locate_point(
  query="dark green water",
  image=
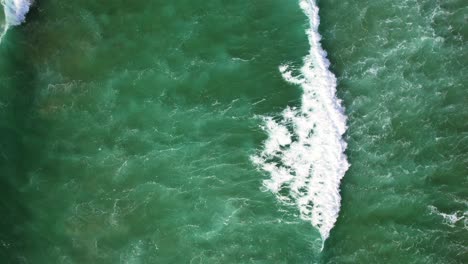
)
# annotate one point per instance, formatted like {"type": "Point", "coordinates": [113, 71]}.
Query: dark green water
{"type": "Point", "coordinates": [127, 131]}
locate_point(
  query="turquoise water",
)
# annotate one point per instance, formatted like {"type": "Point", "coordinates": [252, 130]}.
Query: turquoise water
{"type": "Point", "coordinates": [195, 132]}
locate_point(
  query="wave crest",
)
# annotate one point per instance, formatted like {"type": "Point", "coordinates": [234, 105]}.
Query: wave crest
{"type": "Point", "coordinates": [304, 151]}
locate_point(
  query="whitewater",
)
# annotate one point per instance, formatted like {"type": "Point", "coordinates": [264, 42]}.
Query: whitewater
{"type": "Point", "coordinates": [15, 13]}
{"type": "Point", "coordinates": [304, 151]}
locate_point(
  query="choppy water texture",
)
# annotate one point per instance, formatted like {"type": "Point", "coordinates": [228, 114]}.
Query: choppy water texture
{"type": "Point", "coordinates": [128, 131]}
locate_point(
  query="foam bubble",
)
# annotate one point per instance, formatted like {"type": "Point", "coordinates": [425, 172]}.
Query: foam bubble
{"type": "Point", "coordinates": [304, 151]}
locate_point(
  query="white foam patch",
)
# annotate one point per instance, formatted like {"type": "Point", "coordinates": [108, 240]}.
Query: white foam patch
{"type": "Point", "coordinates": [449, 219]}
{"type": "Point", "coordinates": [304, 152]}
{"type": "Point", "coordinates": [15, 13]}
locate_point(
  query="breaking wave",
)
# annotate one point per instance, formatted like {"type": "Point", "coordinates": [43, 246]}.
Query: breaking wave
{"type": "Point", "coordinates": [304, 151]}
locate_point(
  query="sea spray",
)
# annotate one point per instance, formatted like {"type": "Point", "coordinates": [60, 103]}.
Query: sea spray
{"type": "Point", "coordinates": [304, 151]}
{"type": "Point", "coordinates": [15, 13]}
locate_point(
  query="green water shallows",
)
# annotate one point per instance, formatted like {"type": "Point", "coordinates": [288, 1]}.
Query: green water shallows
{"type": "Point", "coordinates": [137, 123]}
{"type": "Point", "coordinates": [127, 129]}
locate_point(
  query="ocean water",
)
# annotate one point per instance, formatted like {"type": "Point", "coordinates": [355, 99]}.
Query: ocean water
{"type": "Point", "coordinates": [264, 131]}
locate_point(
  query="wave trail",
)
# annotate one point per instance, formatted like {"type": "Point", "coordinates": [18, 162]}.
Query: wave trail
{"type": "Point", "coordinates": [15, 13]}
{"type": "Point", "coordinates": [304, 151]}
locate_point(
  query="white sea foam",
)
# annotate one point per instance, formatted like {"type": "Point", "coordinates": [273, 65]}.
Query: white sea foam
{"type": "Point", "coordinates": [15, 13]}
{"type": "Point", "coordinates": [304, 152]}
{"type": "Point", "coordinates": [449, 219]}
